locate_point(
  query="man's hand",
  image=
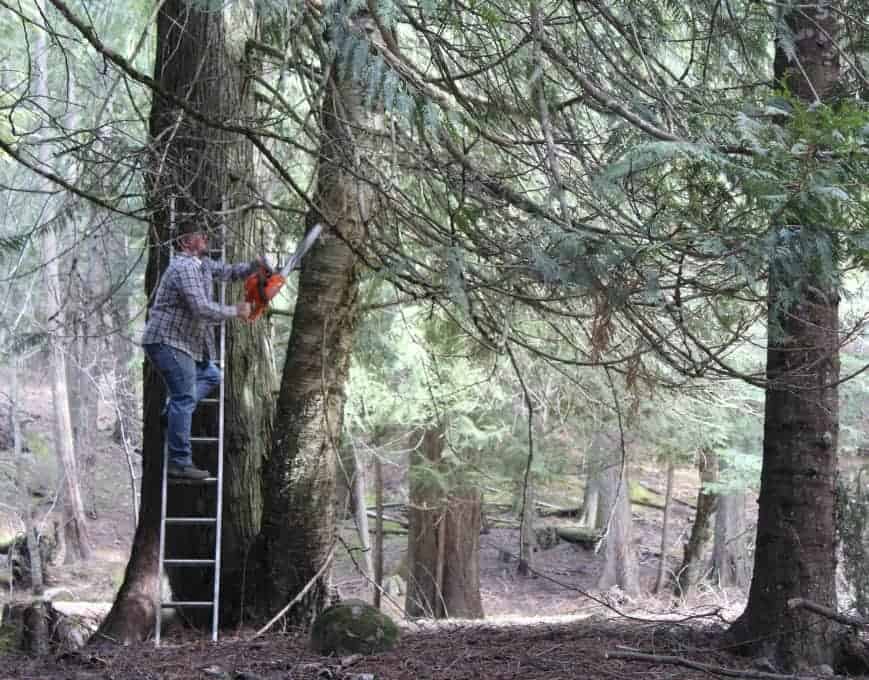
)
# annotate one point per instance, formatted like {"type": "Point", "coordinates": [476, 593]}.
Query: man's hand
{"type": "Point", "coordinates": [243, 310]}
{"type": "Point", "coordinates": [261, 262]}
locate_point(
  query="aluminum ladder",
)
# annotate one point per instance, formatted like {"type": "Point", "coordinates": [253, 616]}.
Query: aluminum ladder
{"type": "Point", "coordinates": [216, 520]}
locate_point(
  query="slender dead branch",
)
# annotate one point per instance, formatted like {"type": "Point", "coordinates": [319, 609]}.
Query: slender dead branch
{"type": "Point", "coordinates": [302, 593]}
{"type": "Point", "coordinates": [705, 667]}
{"type": "Point", "coordinates": [800, 603]}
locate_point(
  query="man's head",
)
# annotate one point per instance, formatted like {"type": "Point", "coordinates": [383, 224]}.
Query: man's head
{"type": "Point", "coordinates": [194, 243]}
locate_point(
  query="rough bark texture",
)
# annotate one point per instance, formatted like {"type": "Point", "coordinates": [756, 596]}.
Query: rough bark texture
{"type": "Point", "coordinates": [192, 170]}
{"type": "Point", "coordinates": [795, 546]}
{"type": "Point", "coordinates": [298, 527]}
{"type": "Point", "coordinates": [731, 565]}
{"type": "Point", "coordinates": [692, 568]}
{"type": "Point", "coordinates": [443, 540]}
{"type": "Point", "coordinates": [204, 62]}
{"type": "Point", "coordinates": [131, 618]}
{"type": "Point", "coordinates": [620, 568]}
{"type": "Point", "coordinates": [461, 580]}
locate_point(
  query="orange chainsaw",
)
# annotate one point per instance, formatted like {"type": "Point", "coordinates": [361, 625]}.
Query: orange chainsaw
{"type": "Point", "coordinates": [261, 286]}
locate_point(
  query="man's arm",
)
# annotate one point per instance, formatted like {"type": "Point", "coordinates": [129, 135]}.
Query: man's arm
{"type": "Point", "coordinates": [230, 272]}
{"type": "Point", "coordinates": [190, 287]}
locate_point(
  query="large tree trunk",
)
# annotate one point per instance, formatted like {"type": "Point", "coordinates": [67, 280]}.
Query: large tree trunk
{"type": "Point", "coordinates": [620, 568]}
{"type": "Point", "coordinates": [298, 528]}
{"type": "Point", "coordinates": [795, 546]}
{"type": "Point", "coordinates": [193, 168]}
{"type": "Point", "coordinates": [443, 538]}
{"type": "Point", "coordinates": [692, 568]}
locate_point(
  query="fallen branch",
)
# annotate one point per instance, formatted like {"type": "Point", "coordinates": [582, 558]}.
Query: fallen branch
{"type": "Point", "coordinates": [390, 518]}
{"type": "Point", "coordinates": [500, 520]}
{"type": "Point", "coordinates": [301, 594]}
{"type": "Point", "coordinates": [800, 603]}
{"type": "Point", "coordinates": [553, 511]}
{"type": "Point", "coordinates": [687, 504]}
{"type": "Point", "coordinates": [373, 508]}
{"type": "Point", "coordinates": [389, 532]}
{"type": "Point", "coordinates": [705, 667]}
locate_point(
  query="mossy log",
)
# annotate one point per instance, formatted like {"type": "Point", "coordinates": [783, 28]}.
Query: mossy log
{"type": "Point", "coordinates": [587, 537]}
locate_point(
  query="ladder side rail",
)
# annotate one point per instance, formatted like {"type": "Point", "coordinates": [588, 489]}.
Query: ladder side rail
{"type": "Point", "coordinates": [221, 404]}
{"type": "Point", "coordinates": [158, 624]}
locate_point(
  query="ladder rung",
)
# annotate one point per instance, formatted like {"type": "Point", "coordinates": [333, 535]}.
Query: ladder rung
{"type": "Point", "coordinates": [204, 440]}
{"type": "Point", "coordinates": [191, 520]}
{"type": "Point", "coordinates": [183, 481]}
{"type": "Point", "coordinates": [182, 603]}
{"type": "Point", "coordinates": [188, 563]}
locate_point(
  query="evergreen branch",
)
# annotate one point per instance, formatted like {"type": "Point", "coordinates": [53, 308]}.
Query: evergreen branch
{"type": "Point", "coordinates": [60, 181]}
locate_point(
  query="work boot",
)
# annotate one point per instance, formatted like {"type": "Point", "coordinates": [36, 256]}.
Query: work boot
{"type": "Point", "coordinates": [187, 472]}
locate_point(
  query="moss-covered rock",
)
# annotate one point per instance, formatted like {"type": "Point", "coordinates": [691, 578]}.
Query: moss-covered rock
{"type": "Point", "coordinates": [353, 627]}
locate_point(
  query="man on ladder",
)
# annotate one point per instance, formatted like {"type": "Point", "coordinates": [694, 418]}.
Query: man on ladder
{"type": "Point", "coordinates": [179, 340]}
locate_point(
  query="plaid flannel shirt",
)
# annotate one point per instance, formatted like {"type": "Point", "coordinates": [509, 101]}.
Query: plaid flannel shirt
{"type": "Point", "coordinates": [184, 313]}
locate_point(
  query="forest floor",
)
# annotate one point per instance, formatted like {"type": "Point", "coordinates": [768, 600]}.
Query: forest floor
{"type": "Point", "coordinates": [554, 625]}
{"type": "Point", "coordinates": [545, 650]}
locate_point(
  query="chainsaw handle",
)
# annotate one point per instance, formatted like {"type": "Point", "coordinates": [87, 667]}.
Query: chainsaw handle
{"type": "Point", "coordinates": [259, 288]}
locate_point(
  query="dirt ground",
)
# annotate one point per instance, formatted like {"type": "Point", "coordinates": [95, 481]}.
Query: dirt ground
{"type": "Point", "coordinates": [576, 650]}
{"type": "Point", "coordinates": [555, 625]}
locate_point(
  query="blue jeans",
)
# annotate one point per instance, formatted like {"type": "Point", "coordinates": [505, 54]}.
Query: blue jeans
{"type": "Point", "coordinates": [188, 382]}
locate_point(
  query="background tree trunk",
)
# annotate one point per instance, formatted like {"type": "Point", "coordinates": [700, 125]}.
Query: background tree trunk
{"type": "Point", "coordinates": [665, 530]}
{"type": "Point", "coordinates": [731, 564]}
{"type": "Point", "coordinates": [795, 552]}
{"type": "Point", "coordinates": [593, 515]}
{"type": "Point", "coordinates": [620, 568]}
{"type": "Point", "coordinates": [378, 537]}
{"type": "Point", "coordinates": [424, 513]}
{"type": "Point", "coordinates": [443, 538]}
{"type": "Point", "coordinates": [31, 541]}
{"type": "Point", "coordinates": [527, 537]}
{"type": "Point", "coordinates": [692, 568]}
{"type": "Point", "coordinates": [352, 479]}
{"type": "Point", "coordinates": [75, 522]}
